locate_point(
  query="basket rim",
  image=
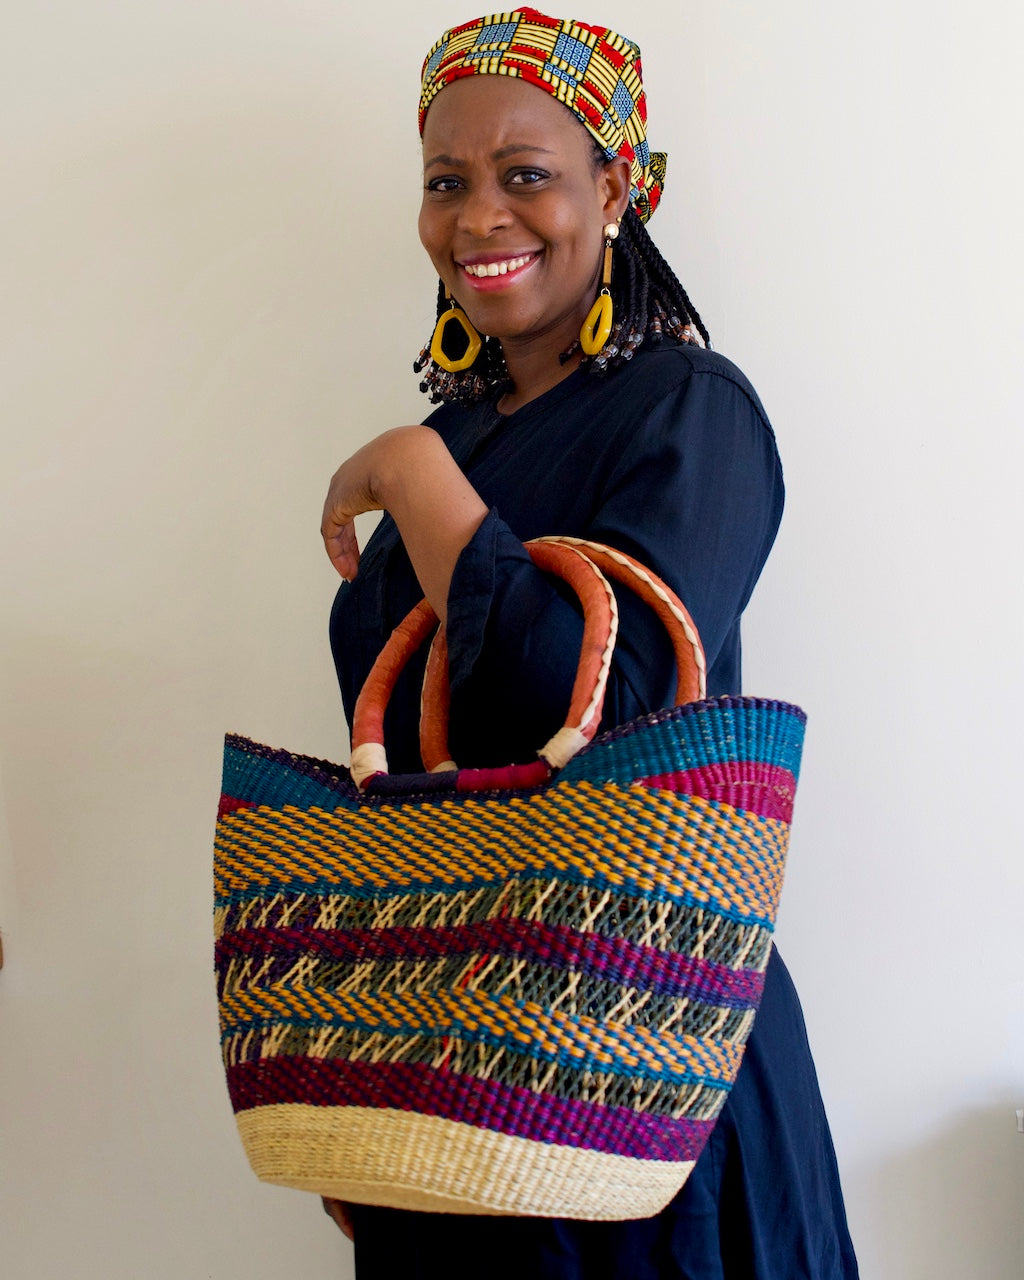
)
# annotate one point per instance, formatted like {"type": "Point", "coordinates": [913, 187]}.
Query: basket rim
{"type": "Point", "coordinates": [428, 786]}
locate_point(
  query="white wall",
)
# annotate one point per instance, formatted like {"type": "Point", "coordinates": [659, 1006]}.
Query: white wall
{"type": "Point", "coordinates": [212, 291]}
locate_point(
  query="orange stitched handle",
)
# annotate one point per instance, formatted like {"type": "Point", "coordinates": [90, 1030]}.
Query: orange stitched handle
{"type": "Point", "coordinates": [368, 716]}
{"type": "Point", "coordinates": [584, 713]}
{"type": "Point", "coordinates": [600, 621]}
{"type": "Point", "coordinates": [691, 666]}
{"type": "Point", "coordinates": [691, 684]}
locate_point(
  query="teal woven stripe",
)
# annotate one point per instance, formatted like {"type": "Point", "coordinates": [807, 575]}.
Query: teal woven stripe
{"type": "Point", "coordinates": [712, 733]}
{"type": "Point", "coordinates": [668, 927]}
{"type": "Point", "coordinates": [273, 780]}
{"type": "Point", "coordinates": [296, 1006]}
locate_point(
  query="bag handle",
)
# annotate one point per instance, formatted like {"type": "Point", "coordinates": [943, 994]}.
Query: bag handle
{"type": "Point", "coordinates": [691, 665]}
{"type": "Point", "coordinates": [691, 684]}
{"type": "Point", "coordinates": [600, 623]}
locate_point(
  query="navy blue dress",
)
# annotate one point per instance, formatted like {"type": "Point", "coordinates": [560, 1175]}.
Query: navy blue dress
{"type": "Point", "coordinates": [673, 461]}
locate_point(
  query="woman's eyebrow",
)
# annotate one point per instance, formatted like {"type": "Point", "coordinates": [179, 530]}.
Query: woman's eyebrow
{"type": "Point", "coordinates": [504, 152]}
{"type": "Point", "coordinates": [501, 154]}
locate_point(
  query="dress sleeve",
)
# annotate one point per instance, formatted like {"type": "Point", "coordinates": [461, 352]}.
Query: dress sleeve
{"type": "Point", "coordinates": [696, 494]}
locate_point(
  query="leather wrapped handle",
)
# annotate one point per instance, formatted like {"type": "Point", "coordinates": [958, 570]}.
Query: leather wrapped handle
{"type": "Point", "coordinates": [600, 623]}
{"type": "Point", "coordinates": [691, 665]}
{"type": "Point", "coordinates": [691, 684]}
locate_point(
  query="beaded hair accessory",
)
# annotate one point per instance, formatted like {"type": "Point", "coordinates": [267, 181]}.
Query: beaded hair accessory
{"type": "Point", "coordinates": [593, 71]}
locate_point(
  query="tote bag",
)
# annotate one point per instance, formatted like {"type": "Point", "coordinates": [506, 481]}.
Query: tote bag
{"type": "Point", "coordinates": [520, 990]}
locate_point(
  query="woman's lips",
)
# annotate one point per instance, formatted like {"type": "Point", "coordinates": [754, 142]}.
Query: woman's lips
{"type": "Point", "coordinates": [498, 273]}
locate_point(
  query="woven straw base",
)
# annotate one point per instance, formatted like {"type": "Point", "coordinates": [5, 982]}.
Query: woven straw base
{"type": "Point", "coordinates": [397, 1158]}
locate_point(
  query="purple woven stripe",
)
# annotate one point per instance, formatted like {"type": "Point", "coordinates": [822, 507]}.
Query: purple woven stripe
{"type": "Point", "coordinates": [434, 1091]}
{"type": "Point", "coordinates": [614, 959]}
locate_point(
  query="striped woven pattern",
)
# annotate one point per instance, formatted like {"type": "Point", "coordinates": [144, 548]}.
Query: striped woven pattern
{"type": "Point", "coordinates": [592, 70]}
{"type": "Point", "coordinates": [508, 1002]}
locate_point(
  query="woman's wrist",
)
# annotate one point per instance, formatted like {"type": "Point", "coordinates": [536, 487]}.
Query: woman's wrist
{"type": "Point", "coordinates": [435, 507]}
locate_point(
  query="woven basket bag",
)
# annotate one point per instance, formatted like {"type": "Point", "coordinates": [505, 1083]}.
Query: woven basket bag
{"type": "Point", "coordinates": [512, 991]}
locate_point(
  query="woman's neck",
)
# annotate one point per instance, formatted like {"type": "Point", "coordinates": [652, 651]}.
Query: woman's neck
{"type": "Point", "coordinates": [532, 372]}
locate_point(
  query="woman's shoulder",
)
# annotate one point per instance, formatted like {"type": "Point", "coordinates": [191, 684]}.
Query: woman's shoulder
{"type": "Point", "coordinates": [672, 366]}
{"type": "Point", "coordinates": [680, 391]}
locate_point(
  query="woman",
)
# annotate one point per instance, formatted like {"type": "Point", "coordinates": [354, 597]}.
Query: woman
{"type": "Point", "coordinates": [535, 163]}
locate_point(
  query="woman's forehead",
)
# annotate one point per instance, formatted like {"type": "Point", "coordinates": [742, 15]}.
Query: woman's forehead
{"type": "Point", "coordinates": [499, 110]}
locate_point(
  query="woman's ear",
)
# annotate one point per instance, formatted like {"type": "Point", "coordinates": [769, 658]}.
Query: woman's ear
{"type": "Point", "coordinates": [616, 177]}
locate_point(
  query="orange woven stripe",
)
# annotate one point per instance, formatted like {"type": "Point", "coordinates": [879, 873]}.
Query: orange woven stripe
{"type": "Point", "coordinates": [628, 837]}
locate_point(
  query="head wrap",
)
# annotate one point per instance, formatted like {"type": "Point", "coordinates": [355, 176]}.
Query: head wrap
{"type": "Point", "coordinates": [591, 70]}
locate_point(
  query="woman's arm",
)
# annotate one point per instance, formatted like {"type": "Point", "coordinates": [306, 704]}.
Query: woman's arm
{"type": "Point", "coordinates": [409, 473]}
{"type": "Point", "coordinates": [696, 493]}
{"type": "Point", "coordinates": [686, 479]}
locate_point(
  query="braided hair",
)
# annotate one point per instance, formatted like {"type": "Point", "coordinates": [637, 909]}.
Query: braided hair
{"type": "Point", "coordinates": [648, 302]}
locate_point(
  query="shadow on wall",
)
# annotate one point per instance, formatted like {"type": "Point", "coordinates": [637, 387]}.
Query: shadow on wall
{"type": "Point", "coordinates": [953, 1209]}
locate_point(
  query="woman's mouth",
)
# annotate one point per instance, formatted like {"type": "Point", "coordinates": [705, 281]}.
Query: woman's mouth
{"type": "Point", "coordinates": [498, 272]}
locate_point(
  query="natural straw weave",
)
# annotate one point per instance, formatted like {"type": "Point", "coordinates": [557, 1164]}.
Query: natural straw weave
{"type": "Point", "coordinates": [496, 1000]}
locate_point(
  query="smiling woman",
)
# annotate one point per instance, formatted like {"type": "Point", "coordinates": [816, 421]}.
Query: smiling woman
{"type": "Point", "coordinates": [583, 399]}
{"type": "Point", "coordinates": [514, 207]}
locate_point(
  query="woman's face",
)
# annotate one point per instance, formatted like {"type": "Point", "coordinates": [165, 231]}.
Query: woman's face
{"type": "Point", "coordinates": [514, 208]}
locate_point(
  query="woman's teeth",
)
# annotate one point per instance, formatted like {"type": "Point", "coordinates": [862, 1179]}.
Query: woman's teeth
{"type": "Point", "coordinates": [495, 268]}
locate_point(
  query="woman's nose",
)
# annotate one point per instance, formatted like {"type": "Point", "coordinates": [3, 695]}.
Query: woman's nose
{"type": "Point", "coordinates": [483, 209]}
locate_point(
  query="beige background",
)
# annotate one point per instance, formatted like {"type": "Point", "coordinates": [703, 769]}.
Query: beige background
{"type": "Point", "coordinates": [212, 290]}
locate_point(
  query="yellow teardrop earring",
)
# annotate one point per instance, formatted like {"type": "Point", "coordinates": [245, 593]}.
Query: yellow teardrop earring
{"type": "Point", "coordinates": [598, 325]}
{"type": "Point", "coordinates": [454, 364]}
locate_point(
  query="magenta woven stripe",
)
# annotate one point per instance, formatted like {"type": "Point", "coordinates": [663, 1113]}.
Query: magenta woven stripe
{"type": "Point", "coordinates": [750, 785]}
{"type": "Point", "coordinates": [230, 804]}
{"type": "Point", "coordinates": [485, 1104]}
{"type": "Point", "coordinates": [613, 959]}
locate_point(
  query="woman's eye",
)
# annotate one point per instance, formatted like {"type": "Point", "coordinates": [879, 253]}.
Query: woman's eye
{"type": "Point", "coordinates": [527, 177]}
{"type": "Point", "coordinates": [443, 185]}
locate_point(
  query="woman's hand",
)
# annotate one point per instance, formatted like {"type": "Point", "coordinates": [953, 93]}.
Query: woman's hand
{"type": "Point", "coordinates": [338, 1210]}
{"type": "Point", "coordinates": [355, 488]}
{"type": "Point", "coordinates": [409, 473]}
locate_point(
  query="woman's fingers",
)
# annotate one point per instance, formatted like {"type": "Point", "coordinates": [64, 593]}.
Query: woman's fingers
{"type": "Point", "coordinates": [359, 485]}
{"type": "Point", "coordinates": [409, 473]}
{"type": "Point", "coordinates": [349, 495]}
{"type": "Point", "coordinates": [340, 544]}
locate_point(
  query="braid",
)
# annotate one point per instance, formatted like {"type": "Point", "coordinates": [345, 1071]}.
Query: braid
{"type": "Point", "coordinates": [647, 298]}
{"type": "Point", "coordinates": [641, 315]}
{"type": "Point", "coordinates": [648, 301]}
{"type": "Point", "coordinates": [669, 290]}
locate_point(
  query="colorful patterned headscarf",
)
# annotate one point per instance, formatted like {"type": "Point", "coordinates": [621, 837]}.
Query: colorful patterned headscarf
{"type": "Point", "coordinates": [591, 70]}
